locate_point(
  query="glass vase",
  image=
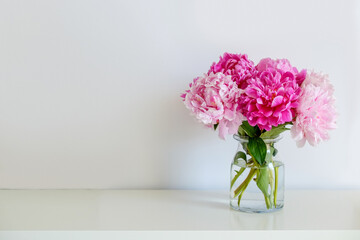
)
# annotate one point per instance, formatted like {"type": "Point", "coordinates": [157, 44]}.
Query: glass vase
{"type": "Point", "coordinates": [255, 188]}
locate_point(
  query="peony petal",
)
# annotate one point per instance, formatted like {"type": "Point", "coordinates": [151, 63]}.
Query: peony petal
{"type": "Point", "coordinates": [251, 107]}
{"type": "Point", "coordinates": [223, 130]}
{"type": "Point", "coordinates": [264, 110]}
{"type": "Point", "coordinates": [252, 121]}
{"type": "Point", "coordinates": [301, 143]}
{"type": "Point", "coordinates": [262, 120]}
{"type": "Point", "coordinates": [251, 92]}
{"type": "Point", "coordinates": [296, 133]}
{"type": "Point", "coordinates": [300, 77]}
{"type": "Point", "coordinates": [277, 101]}
{"type": "Point", "coordinates": [229, 115]}
{"type": "Point", "coordinates": [259, 101]}
{"type": "Point", "coordinates": [286, 116]}
{"type": "Point", "coordinates": [273, 121]}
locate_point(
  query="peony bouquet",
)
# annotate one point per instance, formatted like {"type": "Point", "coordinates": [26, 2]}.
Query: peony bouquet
{"type": "Point", "coordinates": [256, 103]}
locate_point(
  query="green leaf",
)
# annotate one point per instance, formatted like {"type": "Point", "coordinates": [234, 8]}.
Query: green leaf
{"type": "Point", "coordinates": [250, 130]}
{"type": "Point", "coordinates": [240, 154]}
{"type": "Point", "coordinates": [241, 131]}
{"type": "Point", "coordinates": [257, 149]}
{"type": "Point", "coordinates": [263, 180]}
{"type": "Point", "coordinates": [215, 126]}
{"type": "Point", "coordinates": [269, 155]}
{"type": "Point", "coordinates": [275, 151]}
{"type": "Point", "coordinates": [244, 145]}
{"type": "Point", "coordinates": [275, 131]}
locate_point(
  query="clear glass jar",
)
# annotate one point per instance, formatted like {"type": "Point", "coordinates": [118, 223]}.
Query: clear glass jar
{"type": "Point", "coordinates": [255, 188]}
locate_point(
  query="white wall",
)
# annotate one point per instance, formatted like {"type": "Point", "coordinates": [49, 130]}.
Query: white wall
{"type": "Point", "coordinates": [89, 90]}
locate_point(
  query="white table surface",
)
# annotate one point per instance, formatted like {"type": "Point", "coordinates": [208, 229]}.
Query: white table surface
{"type": "Point", "coordinates": [171, 210]}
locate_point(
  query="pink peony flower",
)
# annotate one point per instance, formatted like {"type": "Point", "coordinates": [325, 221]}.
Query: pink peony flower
{"type": "Point", "coordinates": [270, 99]}
{"type": "Point", "coordinates": [213, 99]}
{"type": "Point", "coordinates": [316, 112]}
{"type": "Point", "coordinates": [238, 66]}
{"type": "Point", "coordinates": [282, 65]}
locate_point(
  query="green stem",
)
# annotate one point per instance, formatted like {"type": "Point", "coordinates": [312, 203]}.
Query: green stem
{"type": "Point", "coordinates": [248, 178]}
{"type": "Point", "coordinates": [239, 198]}
{"type": "Point", "coordinates": [276, 184]}
{"type": "Point", "coordinates": [237, 176]}
{"type": "Point", "coordinates": [243, 186]}
{"type": "Point", "coordinates": [267, 201]}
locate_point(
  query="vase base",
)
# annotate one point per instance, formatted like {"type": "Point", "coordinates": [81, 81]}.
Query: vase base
{"type": "Point", "coordinates": [253, 206]}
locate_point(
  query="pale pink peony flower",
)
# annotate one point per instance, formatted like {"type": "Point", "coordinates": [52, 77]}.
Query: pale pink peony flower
{"type": "Point", "coordinates": [319, 80]}
{"type": "Point", "coordinates": [270, 99]}
{"type": "Point", "coordinates": [213, 99]}
{"type": "Point", "coordinates": [238, 66]}
{"type": "Point", "coordinates": [316, 113]}
{"type": "Point", "coordinates": [230, 125]}
{"type": "Point", "coordinates": [282, 65]}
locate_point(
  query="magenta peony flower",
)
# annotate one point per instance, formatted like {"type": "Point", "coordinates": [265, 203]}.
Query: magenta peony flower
{"type": "Point", "coordinates": [238, 66]}
{"type": "Point", "coordinates": [316, 112]}
{"type": "Point", "coordinates": [213, 99]}
{"type": "Point", "coordinates": [270, 99]}
{"type": "Point", "coordinates": [282, 65]}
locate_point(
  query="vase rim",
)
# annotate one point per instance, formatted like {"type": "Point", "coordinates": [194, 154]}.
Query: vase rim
{"type": "Point", "coordinates": [246, 138]}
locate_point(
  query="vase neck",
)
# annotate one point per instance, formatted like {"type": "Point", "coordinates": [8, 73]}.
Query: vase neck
{"type": "Point", "coordinates": [245, 139]}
